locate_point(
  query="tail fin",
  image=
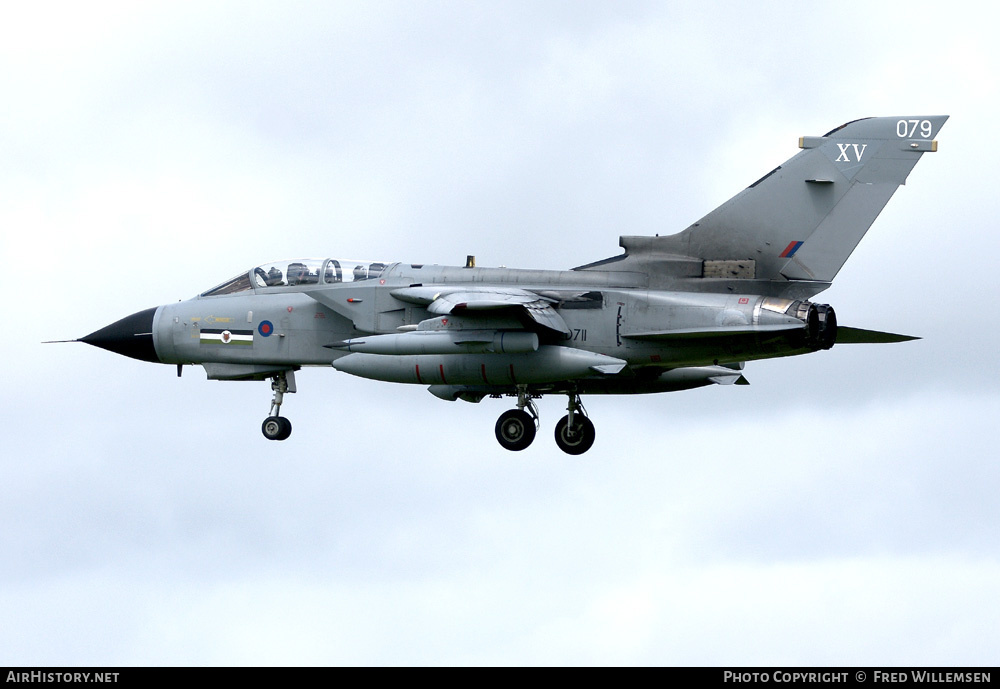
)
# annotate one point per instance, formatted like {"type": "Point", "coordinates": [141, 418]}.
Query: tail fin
{"type": "Point", "coordinates": [802, 220]}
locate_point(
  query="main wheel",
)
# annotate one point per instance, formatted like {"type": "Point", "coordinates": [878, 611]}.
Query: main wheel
{"type": "Point", "coordinates": [276, 428]}
{"type": "Point", "coordinates": [576, 440]}
{"type": "Point", "coordinates": [515, 429]}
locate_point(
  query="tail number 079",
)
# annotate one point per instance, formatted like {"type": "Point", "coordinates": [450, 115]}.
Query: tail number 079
{"type": "Point", "coordinates": [907, 129]}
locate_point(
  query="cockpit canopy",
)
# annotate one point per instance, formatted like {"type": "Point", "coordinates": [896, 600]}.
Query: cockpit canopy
{"type": "Point", "coordinates": [299, 271]}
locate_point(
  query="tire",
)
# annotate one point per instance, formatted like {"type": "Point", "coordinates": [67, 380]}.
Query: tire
{"type": "Point", "coordinates": [579, 439]}
{"type": "Point", "coordinates": [286, 428]}
{"type": "Point", "coordinates": [276, 428]}
{"type": "Point", "coordinates": [515, 430]}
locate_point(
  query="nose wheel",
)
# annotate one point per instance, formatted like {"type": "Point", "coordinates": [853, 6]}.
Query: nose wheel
{"type": "Point", "coordinates": [275, 426]}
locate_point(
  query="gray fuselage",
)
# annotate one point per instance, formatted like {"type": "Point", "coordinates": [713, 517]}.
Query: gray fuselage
{"type": "Point", "coordinates": [250, 334]}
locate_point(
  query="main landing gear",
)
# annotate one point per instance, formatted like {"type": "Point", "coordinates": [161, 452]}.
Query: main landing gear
{"type": "Point", "coordinates": [575, 432]}
{"type": "Point", "coordinates": [516, 428]}
{"type": "Point", "coordinates": [277, 427]}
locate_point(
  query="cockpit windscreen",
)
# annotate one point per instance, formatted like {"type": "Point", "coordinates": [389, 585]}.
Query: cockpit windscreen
{"type": "Point", "coordinates": [298, 272]}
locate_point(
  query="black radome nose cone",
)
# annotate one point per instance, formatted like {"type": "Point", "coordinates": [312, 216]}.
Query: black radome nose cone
{"type": "Point", "coordinates": [131, 336]}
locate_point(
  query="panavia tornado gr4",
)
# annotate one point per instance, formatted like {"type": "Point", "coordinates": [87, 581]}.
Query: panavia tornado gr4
{"type": "Point", "coordinates": [670, 313]}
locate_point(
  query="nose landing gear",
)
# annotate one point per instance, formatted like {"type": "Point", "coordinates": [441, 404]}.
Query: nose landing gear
{"type": "Point", "coordinates": [277, 427]}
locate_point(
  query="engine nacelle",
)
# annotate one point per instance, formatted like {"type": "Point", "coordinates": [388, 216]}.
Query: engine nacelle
{"type": "Point", "coordinates": [821, 323]}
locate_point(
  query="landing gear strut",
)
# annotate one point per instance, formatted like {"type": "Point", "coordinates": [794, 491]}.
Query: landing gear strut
{"type": "Point", "coordinates": [516, 428]}
{"type": "Point", "coordinates": [277, 427]}
{"type": "Point", "coordinates": [575, 432]}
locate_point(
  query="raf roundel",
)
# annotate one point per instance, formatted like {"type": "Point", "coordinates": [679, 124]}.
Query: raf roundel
{"type": "Point", "coordinates": [265, 328]}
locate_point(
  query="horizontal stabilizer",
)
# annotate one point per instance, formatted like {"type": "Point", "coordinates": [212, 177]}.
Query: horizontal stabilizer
{"type": "Point", "coordinates": [860, 336]}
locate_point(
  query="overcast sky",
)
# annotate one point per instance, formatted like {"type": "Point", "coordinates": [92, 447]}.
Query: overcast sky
{"type": "Point", "coordinates": [839, 510]}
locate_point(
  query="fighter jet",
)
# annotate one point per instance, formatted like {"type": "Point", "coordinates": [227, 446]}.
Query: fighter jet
{"type": "Point", "coordinates": [670, 313]}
